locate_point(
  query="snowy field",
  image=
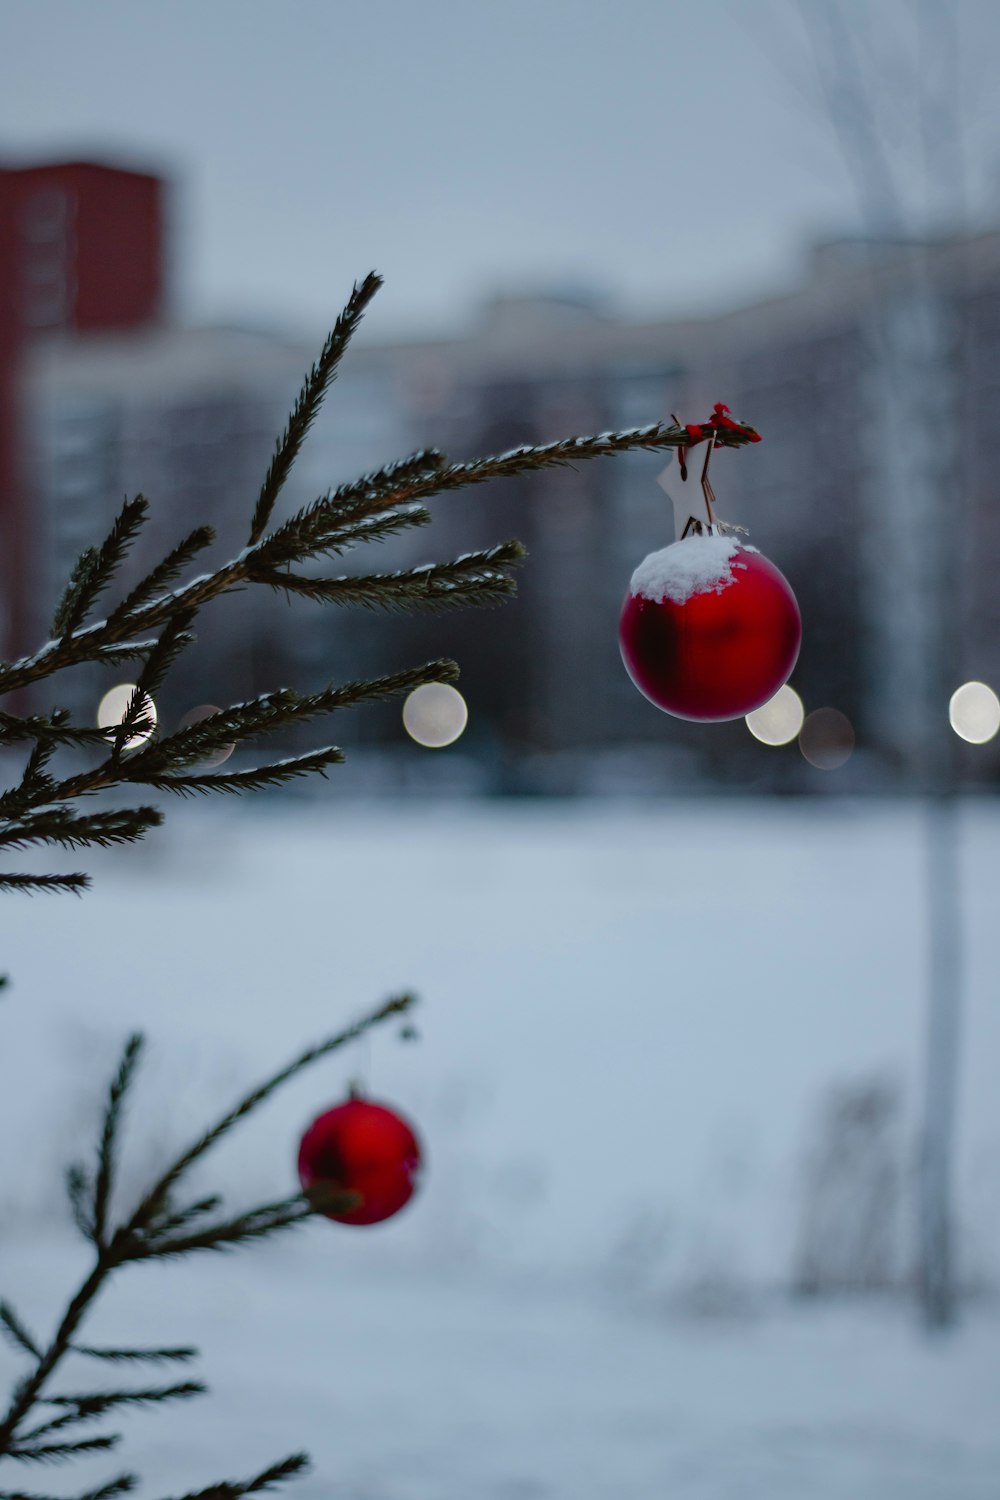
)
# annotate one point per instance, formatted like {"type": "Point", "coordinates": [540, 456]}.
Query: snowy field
{"type": "Point", "coordinates": [629, 1016]}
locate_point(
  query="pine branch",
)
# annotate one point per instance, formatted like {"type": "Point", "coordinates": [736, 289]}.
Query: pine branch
{"type": "Point", "coordinates": [233, 1489]}
{"type": "Point", "coordinates": [377, 527]}
{"type": "Point", "coordinates": [163, 574]}
{"type": "Point", "coordinates": [172, 1219]}
{"type": "Point", "coordinates": [181, 1354]}
{"type": "Point", "coordinates": [142, 1236]}
{"type": "Point", "coordinates": [55, 1453]}
{"type": "Point", "coordinates": [16, 1332]}
{"type": "Point", "coordinates": [215, 732]}
{"type": "Point", "coordinates": [255, 1225]}
{"type": "Point", "coordinates": [152, 1202]}
{"type": "Point", "coordinates": [269, 712]}
{"type": "Point", "coordinates": [309, 401]}
{"type": "Point", "coordinates": [60, 825]}
{"type": "Point", "coordinates": [113, 654]}
{"type": "Point", "coordinates": [171, 643]}
{"type": "Point", "coordinates": [104, 1179]}
{"type": "Point", "coordinates": [33, 883]}
{"type": "Point", "coordinates": [473, 579]}
{"type": "Point", "coordinates": [328, 523]}
{"type": "Point", "coordinates": [55, 729]}
{"type": "Point", "coordinates": [84, 645]}
{"type": "Point", "coordinates": [253, 780]}
{"type": "Point", "coordinates": [138, 720]}
{"type": "Point", "coordinates": [68, 613]}
{"type": "Point", "coordinates": [85, 1408]}
{"type": "Point", "coordinates": [97, 566]}
{"type": "Point", "coordinates": [117, 1486]}
{"type": "Point", "coordinates": [80, 1194]}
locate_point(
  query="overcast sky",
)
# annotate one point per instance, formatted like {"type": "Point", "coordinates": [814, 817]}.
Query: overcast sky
{"type": "Point", "coordinates": [673, 154]}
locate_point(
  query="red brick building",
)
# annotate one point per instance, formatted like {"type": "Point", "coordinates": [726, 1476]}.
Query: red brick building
{"type": "Point", "coordinates": [81, 250]}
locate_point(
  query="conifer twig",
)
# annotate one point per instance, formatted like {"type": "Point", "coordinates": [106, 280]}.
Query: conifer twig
{"type": "Point", "coordinates": [109, 1131]}
{"type": "Point", "coordinates": [181, 1354]}
{"type": "Point", "coordinates": [309, 401]}
{"type": "Point", "coordinates": [97, 566]}
{"type": "Point", "coordinates": [16, 1331]}
{"type": "Point", "coordinates": [267, 1479]}
{"type": "Point", "coordinates": [151, 1233]}
{"type": "Point", "coordinates": [30, 884]}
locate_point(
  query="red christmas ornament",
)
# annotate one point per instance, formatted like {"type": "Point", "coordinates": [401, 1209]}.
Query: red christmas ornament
{"type": "Point", "coordinates": [710, 629]}
{"type": "Point", "coordinates": [363, 1148]}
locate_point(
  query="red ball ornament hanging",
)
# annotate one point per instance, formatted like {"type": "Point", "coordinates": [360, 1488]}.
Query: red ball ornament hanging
{"type": "Point", "coordinates": [709, 630]}
{"type": "Point", "coordinates": [364, 1149]}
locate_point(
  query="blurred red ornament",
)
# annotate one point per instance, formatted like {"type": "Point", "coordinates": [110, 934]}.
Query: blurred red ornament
{"type": "Point", "coordinates": [710, 629]}
{"type": "Point", "coordinates": [364, 1149]}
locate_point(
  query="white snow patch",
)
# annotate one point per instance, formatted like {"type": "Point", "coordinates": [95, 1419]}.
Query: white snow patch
{"type": "Point", "coordinates": [695, 565]}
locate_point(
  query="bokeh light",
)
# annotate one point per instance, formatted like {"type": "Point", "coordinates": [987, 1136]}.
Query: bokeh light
{"type": "Point", "coordinates": [113, 707]}
{"type": "Point", "coordinates": [974, 712]}
{"type": "Point", "coordinates": [827, 739]}
{"type": "Point", "coordinates": [435, 715]}
{"type": "Point", "coordinates": [779, 720]}
{"type": "Point", "coordinates": [212, 757]}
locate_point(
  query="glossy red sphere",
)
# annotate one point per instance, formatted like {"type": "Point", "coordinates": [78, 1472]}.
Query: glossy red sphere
{"type": "Point", "coordinates": [719, 655]}
{"type": "Point", "coordinates": [362, 1148]}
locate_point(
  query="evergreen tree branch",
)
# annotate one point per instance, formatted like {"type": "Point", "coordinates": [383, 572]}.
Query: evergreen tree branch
{"type": "Point", "coordinates": [85, 1408]}
{"type": "Point", "coordinates": [55, 1453]}
{"type": "Point", "coordinates": [328, 523]}
{"type": "Point", "coordinates": [54, 730]}
{"type": "Point", "coordinates": [118, 1486]}
{"type": "Point", "coordinates": [97, 566]}
{"type": "Point", "coordinates": [104, 1178]}
{"type": "Point", "coordinates": [60, 825]}
{"type": "Point", "coordinates": [309, 401]}
{"type": "Point", "coordinates": [79, 1190]}
{"type": "Point", "coordinates": [473, 579]}
{"type": "Point", "coordinates": [309, 538]}
{"type": "Point", "coordinates": [163, 574]}
{"type": "Point", "coordinates": [152, 1202]}
{"type": "Point", "coordinates": [142, 1237]}
{"type": "Point", "coordinates": [269, 712]}
{"type": "Point", "coordinates": [68, 613]}
{"type": "Point", "coordinates": [16, 1332]}
{"type": "Point", "coordinates": [181, 1354]}
{"type": "Point", "coordinates": [33, 883]}
{"type": "Point", "coordinates": [255, 1225]}
{"type": "Point", "coordinates": [377, 527]}
{"type": "Point", "coordinates": [267, 1479]}
{"type": "Point", "coordinates": [174, 638]}
{"type": "Point", "coordinates": [252, 780]}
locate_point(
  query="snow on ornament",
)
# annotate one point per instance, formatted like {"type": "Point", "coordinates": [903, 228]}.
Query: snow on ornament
{"type": "Point", "coordinates": [710, 629]}
{"type": "Point", "coordinates": [364, 1150]}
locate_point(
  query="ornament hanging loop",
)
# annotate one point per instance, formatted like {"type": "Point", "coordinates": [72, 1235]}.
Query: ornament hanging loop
{"type": "Point", "coordinates": [706, 483]}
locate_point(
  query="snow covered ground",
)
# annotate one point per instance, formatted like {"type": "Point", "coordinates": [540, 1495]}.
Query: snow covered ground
{"type": "Point", "coordinates": [629, 1016]}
